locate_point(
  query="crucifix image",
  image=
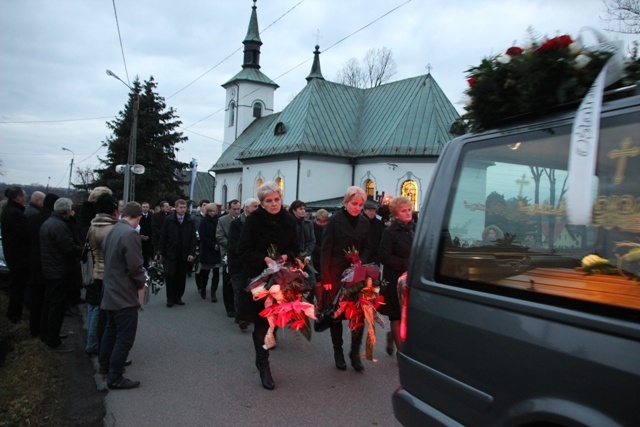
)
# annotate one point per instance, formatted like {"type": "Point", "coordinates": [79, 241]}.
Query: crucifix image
{"type": "Point", "coordinates": [622, 155]}
{"type": "Point", "coordinates": [522, 182]}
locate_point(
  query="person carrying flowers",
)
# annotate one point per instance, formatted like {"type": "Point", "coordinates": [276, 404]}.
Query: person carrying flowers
{"type": "Point", "coordinates": [269, 229]}
{"type": "Point", "coordinates": [346, 230]}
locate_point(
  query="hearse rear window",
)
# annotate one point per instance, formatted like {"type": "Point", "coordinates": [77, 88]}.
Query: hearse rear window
{"type": "Point", "coordinates": [507, 225]}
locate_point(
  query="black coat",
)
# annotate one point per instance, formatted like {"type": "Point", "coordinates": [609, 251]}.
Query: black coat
{"type": "Point", "coordinates": [157, 220]}
{"type": "Point", "coordinates": [338, 237]}
{"type": "Point", "coordinates": [15, 237]}
{"type": "Point", "coordinates": [260, 231]}
{"type": "Point", "coordinates": [34, 223]}
{"type": "Point", "coordinates": [234, 260]}
{"type": "Point", "coordinates": [58, 248]}
{"type": "Point", "coordinates": [395, 249]}
{"type": "Point", "coordinates": [376, 227]}
{"type": "Point", "coordinates": [209, 249]}
{"type": "Point", "coordinates": [177, 241]}
{"type": "Point", "coordinates": [146, 229]}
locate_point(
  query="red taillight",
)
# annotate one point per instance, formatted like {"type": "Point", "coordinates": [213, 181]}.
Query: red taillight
{"type": "Point", "coordinates": [404, 303]}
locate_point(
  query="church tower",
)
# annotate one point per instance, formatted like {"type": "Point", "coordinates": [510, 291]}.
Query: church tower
{"type": "Point", "coordinates": [250, 92]}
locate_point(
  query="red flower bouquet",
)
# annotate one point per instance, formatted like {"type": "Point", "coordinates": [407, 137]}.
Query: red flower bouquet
{"type": "Point", "coordinates": [360, 298]}
{"type": "Point", "coordinates": [282, 285]}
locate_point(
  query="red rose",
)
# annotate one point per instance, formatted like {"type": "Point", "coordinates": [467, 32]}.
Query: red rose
{"type": "Point", "coordinates": [472, 81]}
{"type": "Point", "coordinates": [559, 42]}
{"type": "Point", "coordinates": [514, 51]}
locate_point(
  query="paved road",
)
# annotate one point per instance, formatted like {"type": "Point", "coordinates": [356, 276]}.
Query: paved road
{"type": "Point", "coordinates": [198, 369]}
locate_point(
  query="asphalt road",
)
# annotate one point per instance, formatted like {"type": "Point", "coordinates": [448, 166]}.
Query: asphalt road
{"type": "Point", "coordinates": [198, 369]}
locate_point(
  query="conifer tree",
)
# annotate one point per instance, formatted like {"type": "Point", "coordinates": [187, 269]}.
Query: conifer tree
{"type": "Point", "coordinates": [156, 147]}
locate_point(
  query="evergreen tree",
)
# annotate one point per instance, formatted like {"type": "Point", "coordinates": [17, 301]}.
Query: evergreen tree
{"type": "Point", "coordinates": [155, 147]}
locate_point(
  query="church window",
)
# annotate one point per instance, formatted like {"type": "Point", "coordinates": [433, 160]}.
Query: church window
{"type": "Point", "coordinates": [280, 129]}
{"type": "Point", "coordinates": [259, 182]}
{"type": "Point", "coordinates": [369, 188]}
{"type": "Point", "coordinates": [257, 110]}
{"type": "Point", "coordinates": [232, 113]}
{"type": "Point", "coordinates": [280, 182]}
{"type": "Point", "coordinates": [240, 191]}
{"type": "Point", "coordinates": [410, 189]}
{"type": "Point", "coordinates": [224, 195]}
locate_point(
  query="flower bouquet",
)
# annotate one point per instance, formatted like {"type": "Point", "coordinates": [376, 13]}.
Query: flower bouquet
{"type": "Point", "coordinates": [282, 285]}
{"type": "Point", "coordinates": [360, 298]}
{"type": "Point", "coordinates": [535, 78]}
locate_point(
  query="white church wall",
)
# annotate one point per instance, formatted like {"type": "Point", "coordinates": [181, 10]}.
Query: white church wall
{"type": "Point", "coordinates": [231, 181]}
{"type": "Point", "coordinates": [389, 175]}
{"type": "Point", "coordinates": [323, 179]}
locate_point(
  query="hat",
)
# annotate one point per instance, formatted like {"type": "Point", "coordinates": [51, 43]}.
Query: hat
{"type": "Point", "coordinates": [370, 204]}
{"type": "Point", "coordinates": [49, 201]}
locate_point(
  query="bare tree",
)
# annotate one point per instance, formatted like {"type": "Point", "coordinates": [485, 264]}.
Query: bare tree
{"type": "Point", "coordinates": [85, 177]}
{"type": "Point", "coordinates": [625, 14]}
{"type": "Point", "coordinates": [379, 66]}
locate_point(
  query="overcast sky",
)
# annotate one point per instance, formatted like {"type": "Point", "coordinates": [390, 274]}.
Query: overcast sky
{"type": "Point", "coordinates": [54, 91]}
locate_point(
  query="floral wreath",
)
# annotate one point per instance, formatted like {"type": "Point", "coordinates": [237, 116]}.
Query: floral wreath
{"type": "Point", "coordinates": [626, 264]}
{"type": "Point", "coordinates": [282, 285]}
{"type": "Point", "coordinates": [538, 77]}
{"type": "Point", "coordinates": [360, 298]}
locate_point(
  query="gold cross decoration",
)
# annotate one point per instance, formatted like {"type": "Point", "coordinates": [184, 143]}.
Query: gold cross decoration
{"type": "Point", "coordinates": [622, 155]}
{"type": "Point", "coordinates": [522, 182]}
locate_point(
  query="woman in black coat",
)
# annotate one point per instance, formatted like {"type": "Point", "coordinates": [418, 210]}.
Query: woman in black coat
{"type": "Point", "coordinates": [209, 252]}
{"type": "Point", "coordinates": [269, 226]}
{"type": "Point", "coordinates": [346, 229]}
{"type": "Point", "coordinates": [394, 251]}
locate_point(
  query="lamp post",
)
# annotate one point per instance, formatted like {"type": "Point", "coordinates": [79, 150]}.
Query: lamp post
{"type": "Point", "coordinates": [129, 178]}
{"type": "Point", "coordinates": [73, 155]}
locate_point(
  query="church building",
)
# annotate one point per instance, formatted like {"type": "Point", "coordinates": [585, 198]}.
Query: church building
{"type": "Point", "coordinates": [385, 139]}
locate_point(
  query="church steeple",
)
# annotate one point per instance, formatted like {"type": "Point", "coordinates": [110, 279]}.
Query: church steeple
{"type": "Point", "coordinates": [252, 42]}
{"type": "Point", "coordinates": [315, 73]}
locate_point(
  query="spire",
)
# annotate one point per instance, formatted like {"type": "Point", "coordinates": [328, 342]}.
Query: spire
{"type": "Point", "coordinates": [315, 73]}
{"type": "Point", "coordinates": [252, 42]}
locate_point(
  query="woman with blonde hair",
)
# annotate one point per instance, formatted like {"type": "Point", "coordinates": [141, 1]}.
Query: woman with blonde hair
{"type": "Point", "coordinates": [269, 227]}
{"type": "Point", "coordinates": [394, 251]}
{"type": "Point", "coordinates": [209, 252]}
{"type": "Point", "coordinates": [346, 230]}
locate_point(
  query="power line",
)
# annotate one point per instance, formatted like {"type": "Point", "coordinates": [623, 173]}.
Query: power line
{"type": "Point", "coordinates": [115, 12]}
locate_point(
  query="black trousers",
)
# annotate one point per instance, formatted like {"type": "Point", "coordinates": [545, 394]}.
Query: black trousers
{"type": "Point", "coordinates": [17, 287]}
{"type": "Point", "coordinates": [227, 291]}
{"type": "Point", "coordinates": [176, 280]}
{"type": "Point", "coordinates": [55, 304]}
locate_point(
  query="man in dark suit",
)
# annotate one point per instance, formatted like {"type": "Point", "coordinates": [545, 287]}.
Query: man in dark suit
{"type": "Point", "coordinates": [156, 224]}
{"type": "Point", "coordinates": [146, 231]}
{"type": "Point", "coordinates": [177, 248]}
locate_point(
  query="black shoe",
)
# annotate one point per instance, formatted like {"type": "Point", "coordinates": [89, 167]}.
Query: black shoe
{"type": "Point", "coordinates": [266, 378]}
{"type": "Point", "coordinates": [169, 303]}
{"type": "Point", "coordinates": [59, 349]}
{"type": "Point", "coordinates": [214, 298]}
{"type": "Point", "coordinates": [356, 363]}
{"type": "Point", "coordinates": [123, 384]}
{"type": "Point", "coordinates": [203, 294]}
{"type": "Point", "coordinates": [389, 344]}
{"type": "Point", "coordinates": [180, 302]}
{"type": "Point", "coordinates": [340, 362]}
{"type": "Point", "coordinates": [128, 362]}
{"type": "Point", "coordinates": [231, 314]}
{"type": "Point", "coordinates": [243, 325]}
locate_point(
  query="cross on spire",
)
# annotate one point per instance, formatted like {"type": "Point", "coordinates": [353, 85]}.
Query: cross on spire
{"type": "Point", "coordinates": [318, 36]}
{"type": "Point", "coordinates": [428, 67]}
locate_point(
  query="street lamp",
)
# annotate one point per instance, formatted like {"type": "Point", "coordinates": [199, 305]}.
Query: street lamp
{"type": "Point", "coordinates": [73, 155]}
{"type": "Point", "coordinates": [129, 178]}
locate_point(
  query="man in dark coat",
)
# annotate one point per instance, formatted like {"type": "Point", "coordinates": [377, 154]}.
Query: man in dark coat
{"type": "Point", "coordinates": [37, 280]}
{"type": "Point", "coordinates": [35, 203]}
{"type": "Point", "coordinates": [177, 248]}
{"type": "Point", "coordinates": [156, 224]}
{"type": "Point", "coordinates": [59, 251]}
{"type": "Point", "coordinates": [146, 231]}
{"type": "Point", "coordinates": [15, 243]}
{"type": "Point", "coordinates": [376, 226]}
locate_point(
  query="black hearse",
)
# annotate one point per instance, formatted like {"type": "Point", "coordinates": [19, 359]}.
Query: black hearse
{"type": "Point", "coordinates": [538, 324]}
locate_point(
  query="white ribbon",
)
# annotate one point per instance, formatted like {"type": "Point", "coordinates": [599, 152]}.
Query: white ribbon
{"type": "Point", "coordinates": [583, 150]}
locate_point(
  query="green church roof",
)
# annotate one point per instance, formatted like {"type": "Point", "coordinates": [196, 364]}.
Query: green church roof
{"type": "Point", "coordinates": [407, 118]}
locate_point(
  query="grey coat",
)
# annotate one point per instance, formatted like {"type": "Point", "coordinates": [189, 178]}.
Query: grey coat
{"type": "Point", "coordinates": [124, 274]}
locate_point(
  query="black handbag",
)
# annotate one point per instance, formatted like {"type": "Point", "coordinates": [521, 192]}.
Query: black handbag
{"type": "Point", "coordinates": [86, 250]}
{"type": "Point", "coordinates": [326, 318]}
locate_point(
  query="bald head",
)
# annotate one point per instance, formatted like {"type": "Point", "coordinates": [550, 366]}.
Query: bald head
{"type": "Point", "coordinates": [37, 198]}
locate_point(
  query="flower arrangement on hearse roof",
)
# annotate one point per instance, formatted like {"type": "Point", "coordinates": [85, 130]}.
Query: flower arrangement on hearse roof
{"type": "Point", "coordinates": [282, 285]}
{"type": "Point", "coordinates": [535, 78]}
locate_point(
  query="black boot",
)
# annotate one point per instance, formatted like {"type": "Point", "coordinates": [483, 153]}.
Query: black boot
{"type": "Point", "coordinates": [354, 355]}
{"type": "Point", "coordinates": [338, 356]}
{"type": "Point", "coordinates": [262, 357]}
{"type": "Point", "coordinates": [336, 339]}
